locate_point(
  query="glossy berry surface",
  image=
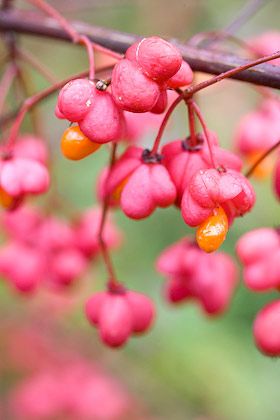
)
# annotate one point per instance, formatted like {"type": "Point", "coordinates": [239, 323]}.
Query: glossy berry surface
{"type": "Point", "coordinates": [75, 145]}
{"type": "Point", "coordinates": [212, 232]}
{"type": "Point", "coordinates": [266, 329]}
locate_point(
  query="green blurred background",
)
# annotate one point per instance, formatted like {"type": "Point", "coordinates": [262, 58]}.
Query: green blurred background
{"type": "Point", "coordinates": [187, 366]}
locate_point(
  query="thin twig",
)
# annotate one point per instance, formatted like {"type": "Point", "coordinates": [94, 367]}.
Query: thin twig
{"type": "Point", "coordinates": [113, 282]}
{"type": "Point", "coordinates": [261, 158]}
{"type": "Point", "coordinates": [250, 8]}
{"type": "Point", "coordinates": [30, 59]}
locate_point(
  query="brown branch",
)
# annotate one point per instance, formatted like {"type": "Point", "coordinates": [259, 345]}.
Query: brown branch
{"type": "Point", "coordinates": [33, 23]}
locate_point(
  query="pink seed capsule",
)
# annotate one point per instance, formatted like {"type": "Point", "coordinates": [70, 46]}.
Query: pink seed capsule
{"type": "Point", "coordinates": [256, 244]}
{"type": "Point", "coordinates": [183, 77]}
{"type": "Point", "coordinates": [155, 58]}
{"type": "Point", "coordinates": [161, 104]}
{"type": "Point", "coordinates": [93, 307]}
{"type": "Point", "coordinates": [176, 290]}
{"type": "Point", "coordinates": [266, 329]}
{"type": "Point", "coordinates": [149, 186]}
{"type": "Point", "coordinates": [76, 99]}
{"type": "Point", "coordinates": [104, 121]}
{"type": "Point", "coordinates": [115, 320]}
{"type": "Point", "coordinates": [143, 311]}
{"type": "Point", "coordinates": [58, 113]}
{"type": "Point", "coordinates": [131, 90]}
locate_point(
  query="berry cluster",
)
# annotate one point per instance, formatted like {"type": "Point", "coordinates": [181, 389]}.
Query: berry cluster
{"type": "Point", "coordinates": [259, 252]}
{"type": "Point", "coordinates": [118, 314]}
{"type": "Point", "coordinates": [151, 66]}
{"type": "Point", "coordinates": [193, 173]}
{"type": "Point", "coordinates": [44, 363]}
{"type": "Point", "coordinates": [50, 252]}
{"type": "Point", "coordinates": [23, 171]}
{"type": "Point", "coordinates": [193, 274]}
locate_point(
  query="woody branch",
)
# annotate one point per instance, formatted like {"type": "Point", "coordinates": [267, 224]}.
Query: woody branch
{"type": "Point", "coordinates": [212, 62]}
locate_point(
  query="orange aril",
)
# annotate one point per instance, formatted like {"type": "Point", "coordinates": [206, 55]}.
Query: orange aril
{"type": "Point", "coordinates": [7, 201]}
{"type": "Point", "coordinates": [264, 168]}
{"type": "Point", "coordinates": [75, 145]}
{"type": "Point", "coordinates": [116, 194]}
{"type": "Point", "coordinates": [212, 232]}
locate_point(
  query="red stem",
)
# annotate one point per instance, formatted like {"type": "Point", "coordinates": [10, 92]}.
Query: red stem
{"type": "Point", "coordinates": [206, 132]}
{"type": "Point", "coordinates": [191, 122]}
{"type": "Point", "coordinates": [164, 122]}
{"type": "Point", "coordinates": [261, 158]}
{"type": "Point", "coordinates": [113, 282]}
{"type": "Point", "coordinates": [7, 79]}
{"type": "Point", "coordinates": [30, 59]}
{"type": "Point", "coordinates": [88, 44]}
{"type": "Point", "coordinates": [27, 87]}
{"type": "Point", "coordinates": [47, 8]}
{"type": "Point", "coordinates": [188, 93]}
{"type": "Point", "coordinates": [194, 89]}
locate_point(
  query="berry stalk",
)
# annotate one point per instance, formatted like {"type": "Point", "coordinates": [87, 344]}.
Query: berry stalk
{"type": "Point", "coordinates": [205, 130]}
{"type": "Point", "coordinates": [189, 92]}
{"type": "Point", "coordinates": [113, 282]}
{"type": "Point", "coordinates": [230, 73]}
{"type": "Point", "coordinates": [32, 60]}
{"type": "Point", "coordinates": [191, 122]}
{"type": "Point", "coordinates": [6, 82]}
{"type": "Point", "coordinates": [261, 158]}
{"type": "Point", "coordinates": [164, 122]}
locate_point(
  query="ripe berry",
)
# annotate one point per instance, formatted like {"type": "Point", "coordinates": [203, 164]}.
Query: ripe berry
{"type": "Point", "coordinates": [93, 307]}
{"type": "Point", "coordinates": [75, 99]}
{"type": "Point", "coordinates": [209, 188]}
{"type": "Point", "coordinates": [104, 122]}
{"type": "Point", "coordinates": [139, 82]}
{"type": "Point", "coordinates": [182, 160]}
{"type": "Point", "coordinates": [20, 176]}
{"type": "Point", "coordinates": [259, 251]}
{"type": "Point", "coordinates": [119, 314]}
{"type": "Point", "coordinates": [31, 147]}
{"type": "Point", "coordinates": [149, 186]}
{"type": "Point", "coordinates": [183, 77]}
{"type": "Point", "coordinates": [156, 58]}
{"type": "Point", "coordinates": [161, 103]}
{"type": "Point", "coordinates": [143, 310]}
{"type": "Point", "coordinates": [192, 274]}
{"type": "Point", "coordinates": [132, 90]}
{"type": "Point", "coordinates": [58, 113]}
{"type": "Point", "coordinates": [212, 232]}
{"type": "Point", "coordinates": [115, 320]}
{"type": "Point", "coordinates": [26, 274]}
{"type": "Point", "coordinates": [87, 228]}
{"type": "Point", "coordinates": [266, 329]}
{"type": "Point", "coordinates": [75, 145]}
